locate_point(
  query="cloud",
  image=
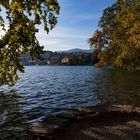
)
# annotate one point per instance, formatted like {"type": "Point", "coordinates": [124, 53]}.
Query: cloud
{"type": "Point", "coordinates": [62, 32]}
{"type": "Point", "coordinates": [64, 44]}
{"type": "Point", "coordinates": [62, 38]}
{"type": "Point", "coordinates": [81, 18]}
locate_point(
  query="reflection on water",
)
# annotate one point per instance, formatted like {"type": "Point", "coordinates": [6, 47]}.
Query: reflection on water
{"type": "Point", "coordinates": [44, 91]}
{"type": "Point", "coordinates": [116, 86]}
{"type": "Point", "coordinates": [12, 120]}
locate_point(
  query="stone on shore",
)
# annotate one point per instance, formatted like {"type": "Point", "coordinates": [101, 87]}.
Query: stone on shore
{"type": "Point", "coordinates": [53, 125]}
{"type": "Point", "coordinates": [70, 114]}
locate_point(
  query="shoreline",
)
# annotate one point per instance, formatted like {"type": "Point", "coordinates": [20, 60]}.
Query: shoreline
{"type": "Point", "coordinates": [79, 124]}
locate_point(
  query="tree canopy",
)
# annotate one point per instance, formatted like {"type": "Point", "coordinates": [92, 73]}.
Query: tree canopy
{"type": "Point", "coordinates": [22, 18]}
{"type": "Point", "coordinates": [117, 40]}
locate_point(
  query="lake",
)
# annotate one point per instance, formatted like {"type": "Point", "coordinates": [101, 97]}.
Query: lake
{"type": "Point", "coordinates": [47, 90]}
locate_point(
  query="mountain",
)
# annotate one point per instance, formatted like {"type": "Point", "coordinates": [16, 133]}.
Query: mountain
{"type": "Point", "coordinates": [76, 50]}
{"type": "Point", "coordinates": [53, 58]}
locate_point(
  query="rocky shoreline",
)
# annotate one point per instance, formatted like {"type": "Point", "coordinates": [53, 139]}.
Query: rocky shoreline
{"type": "Point", "coordinates": [68, 123]}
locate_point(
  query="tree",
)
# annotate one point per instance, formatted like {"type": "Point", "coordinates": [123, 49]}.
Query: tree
{"type": "Point", "coordinates": [117, 41]}
{"type": "Point", "coordinates": [127, 36]}
{"type": "Point", "coordinates": [22, 17]}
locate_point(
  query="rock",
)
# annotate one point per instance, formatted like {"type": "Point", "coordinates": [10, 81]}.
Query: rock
{"type": "Point", "coordinates": [39, 129]}
{"type": "Point", "coordinates": [70, 114]}
{"type": "Point", "coordinates": [56, 122]}
{"type": "Point", "coordinates": [48, 127]}
{"type": "Point", "coordinates": [90, 110]}
{"type": "Point", "coordinates": [75, 112]}
{"type": "Point", "coordinates": [126, 108]}
{"type": "Point", "coordinates": [52, 125]}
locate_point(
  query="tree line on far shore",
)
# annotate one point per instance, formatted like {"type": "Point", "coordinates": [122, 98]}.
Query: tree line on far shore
{"type": "Point", "coordinates": [59, 58]}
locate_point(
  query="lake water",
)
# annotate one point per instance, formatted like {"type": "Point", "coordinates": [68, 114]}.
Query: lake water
{"type": "Point", "coordinates": [47, 90]}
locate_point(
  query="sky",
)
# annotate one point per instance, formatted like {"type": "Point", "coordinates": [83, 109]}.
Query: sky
{"type": "Point", "coordinates": [77, 21]}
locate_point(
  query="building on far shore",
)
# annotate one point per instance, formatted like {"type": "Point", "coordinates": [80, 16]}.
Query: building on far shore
{"type": "Point", "coordinates": [65, 60]}
{"type": "Point", "coordinates": [48, 62]}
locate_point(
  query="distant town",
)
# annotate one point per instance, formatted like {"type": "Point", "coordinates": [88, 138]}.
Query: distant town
{"type": "Point", "coordinates": [70, 57]}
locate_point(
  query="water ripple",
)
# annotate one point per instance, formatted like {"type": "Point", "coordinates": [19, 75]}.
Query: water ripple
{"type": "Point", "coordinates": [47, 90]}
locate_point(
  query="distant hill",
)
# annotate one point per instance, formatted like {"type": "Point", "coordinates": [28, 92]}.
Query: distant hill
{"type": "Point", "coordinates": [55, 58]}
{"type": "Point", "coordinates": [76, 50]}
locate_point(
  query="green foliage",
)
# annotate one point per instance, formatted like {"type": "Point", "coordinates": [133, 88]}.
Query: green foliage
{"type": "Point", "coordinates": [22, 18]}
{"type": "Point", "coordinates": [83, 59]}
{"type": "Point", "coordinates": [118, 39]}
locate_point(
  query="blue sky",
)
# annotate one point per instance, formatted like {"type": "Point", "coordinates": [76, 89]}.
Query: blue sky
{"type": "Point", "coordinates": [77, 21]}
